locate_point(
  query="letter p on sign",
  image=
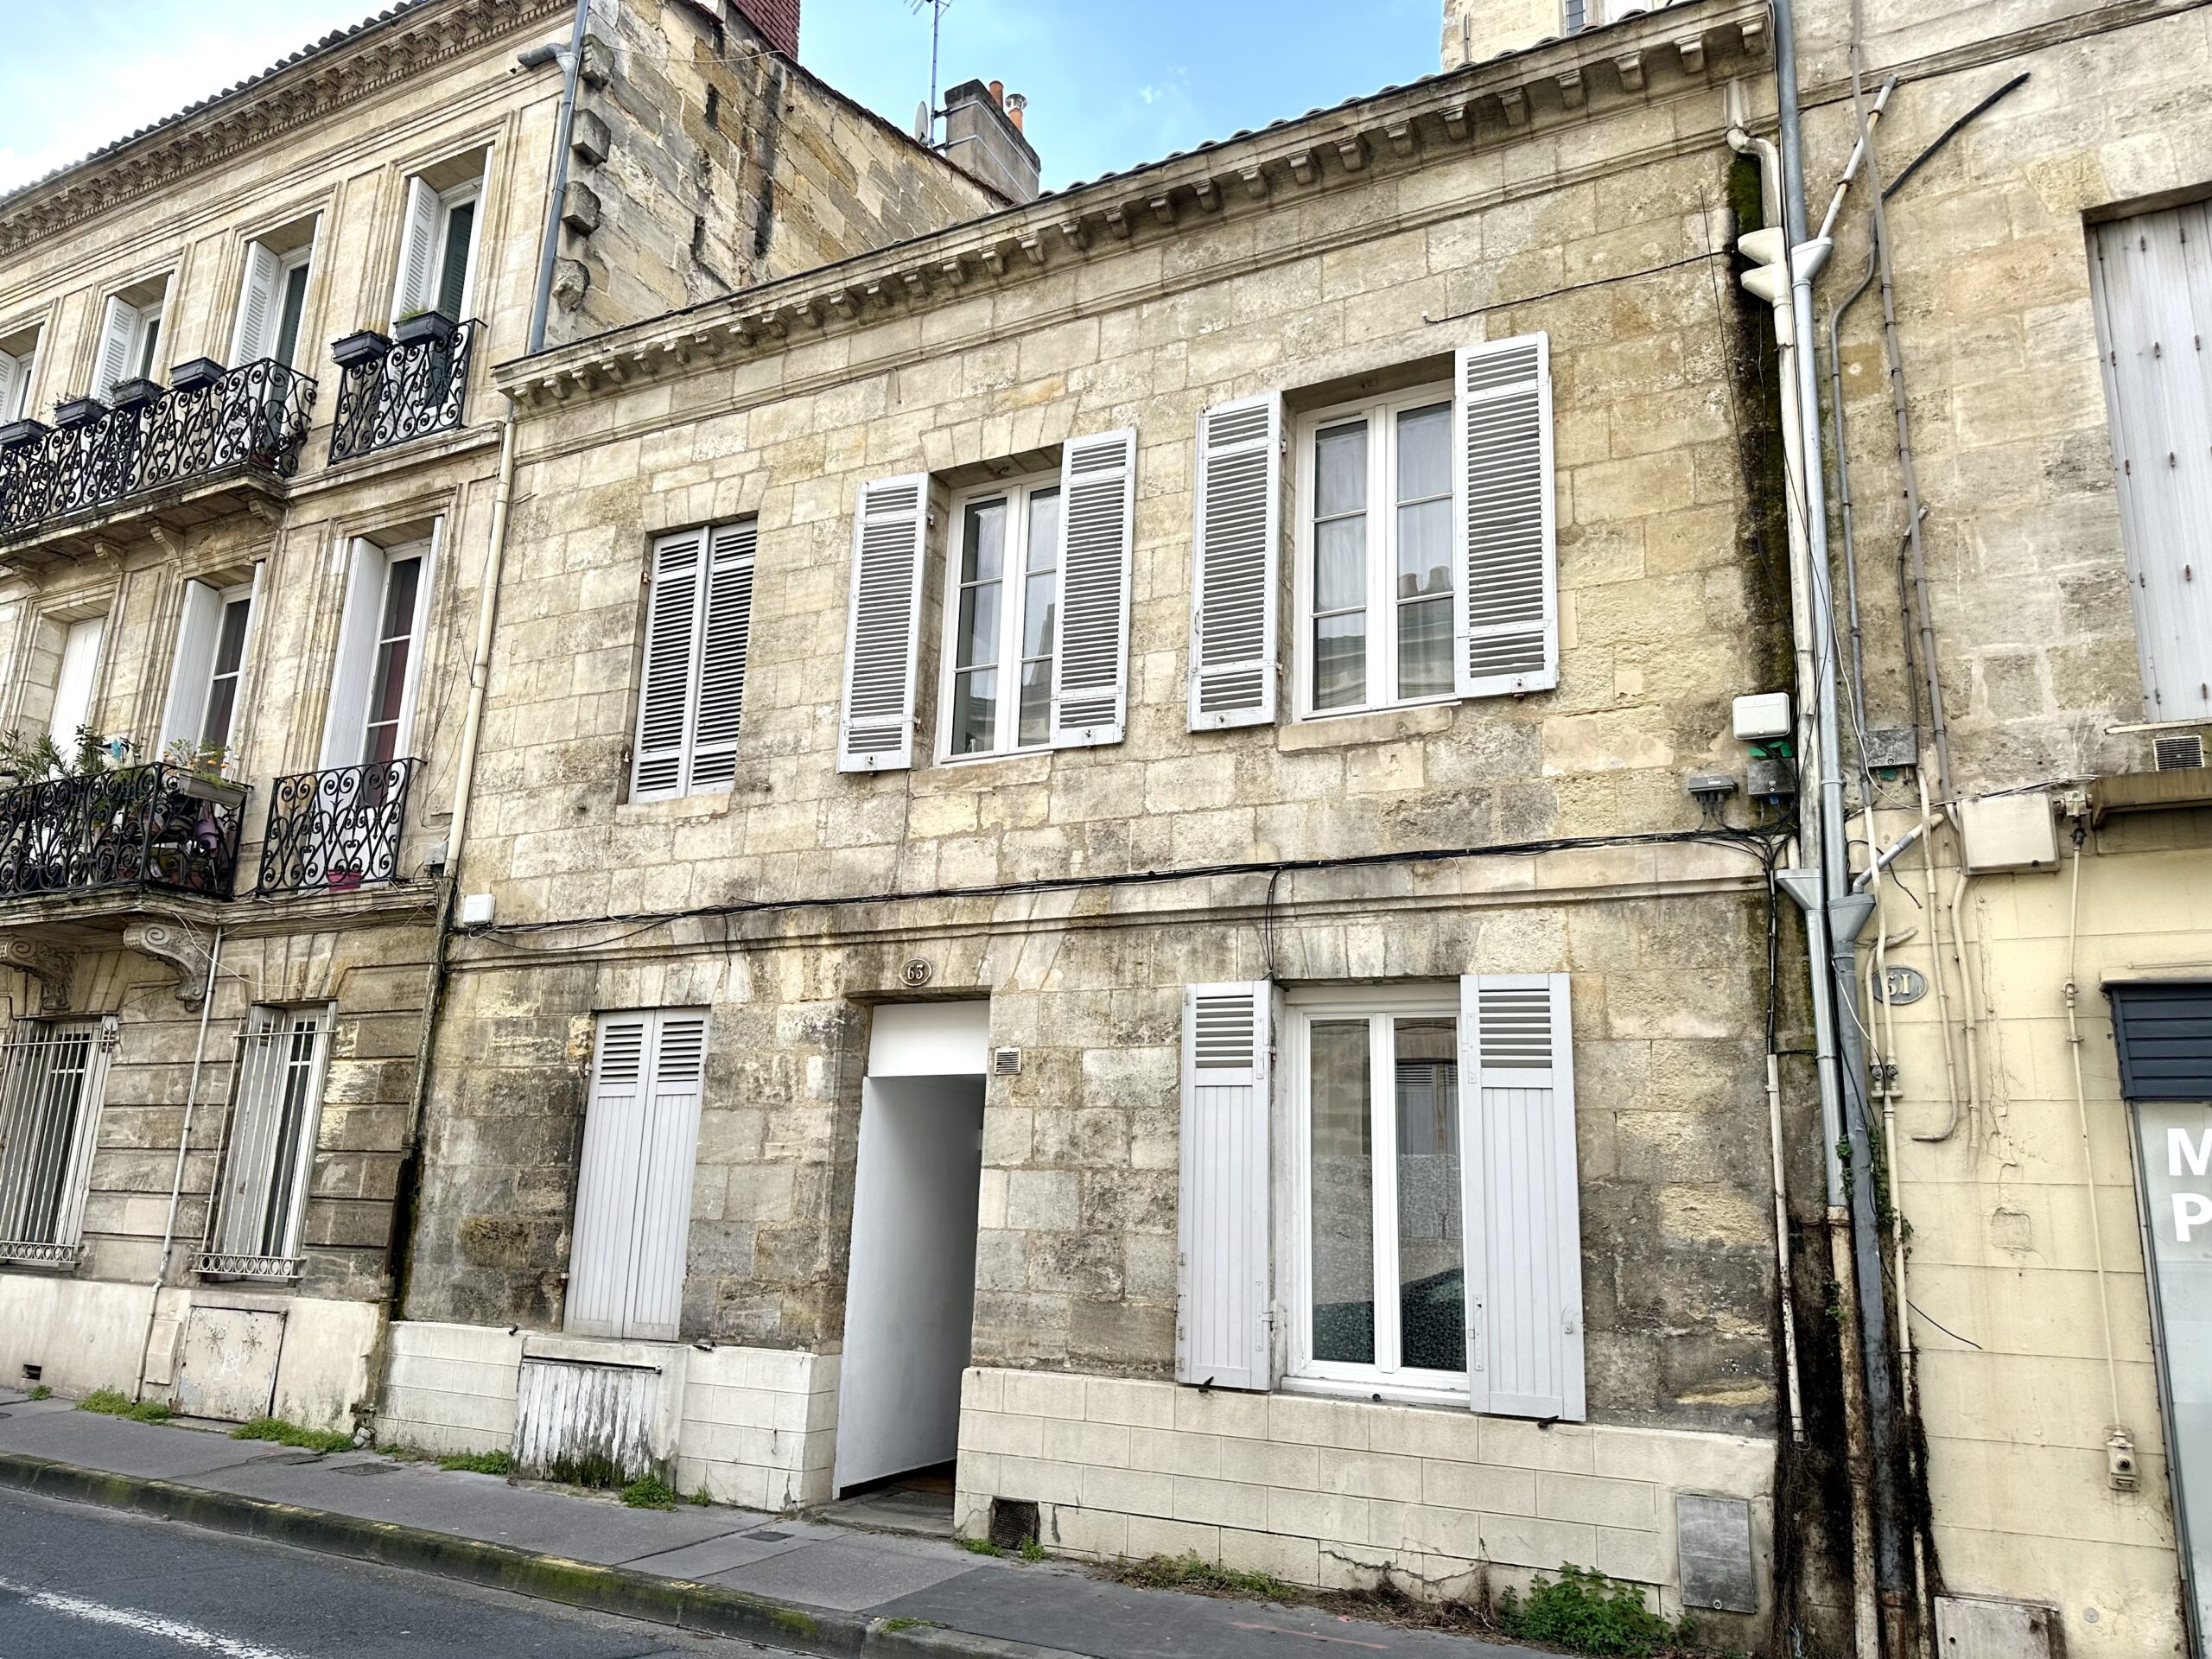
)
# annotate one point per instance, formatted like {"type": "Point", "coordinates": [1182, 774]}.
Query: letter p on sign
{"type": "Point", "coordinates": [2191, 1210]}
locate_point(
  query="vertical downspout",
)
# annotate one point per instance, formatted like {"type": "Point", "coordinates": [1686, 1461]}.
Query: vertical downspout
{"type": "Point", "coordinates": [563, 126]}
{"type": "Point", "coordinates": [183, 1146]}
{"type": "Point", "coordinates": [1846, 911]}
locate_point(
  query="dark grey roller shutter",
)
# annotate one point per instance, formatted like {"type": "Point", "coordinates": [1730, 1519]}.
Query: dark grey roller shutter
{"type": "Point", "coordinates": [2165, 1031]}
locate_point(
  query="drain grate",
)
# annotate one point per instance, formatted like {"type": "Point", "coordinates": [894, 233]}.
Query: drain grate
{"type": "Point", "coordinates": [367, 1469]}
{"type": "Point", "coordinates": [768, 1535]}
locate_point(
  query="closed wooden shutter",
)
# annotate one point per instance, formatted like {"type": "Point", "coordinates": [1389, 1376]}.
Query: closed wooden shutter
{"type": "Point", "coordinates": [607, 1177]}
{"type": "Point", "coordinates": [1521, 1198]}
{"type": "Point", "coordinates": [876, 733]}
{"type": "Point", "coordinates": [722, 644]}
{"type": "Point", "coordinates": [1506, 637]}
{"type": "Point", "coordinates": [633, 1186]}
{"type": "Point", "coordinates": [665, 681]}
{"type": "Point", "coordinates": [14, 372]}
{"type": "Point", "coordinates": [255, 336]}
{"type": "Point", "coordinates": [414, 289]}
{"type": "Point", "coordinates": [119, 326]}
{"type": "Point", "coordinates": [199, 622]}
{"type": "Point", "coordinates": [1091, 647]}
{"type": "Point", "coordinates": [1234, 555]}
{"type": "Point", "coordinates": [668, 1147]}
{"type": "Point", "coordinates": [1223, 1335]}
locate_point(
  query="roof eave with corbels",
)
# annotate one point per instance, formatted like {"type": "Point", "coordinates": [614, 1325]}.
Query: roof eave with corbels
{"type": "Point", "coordinates": [1525, 93]}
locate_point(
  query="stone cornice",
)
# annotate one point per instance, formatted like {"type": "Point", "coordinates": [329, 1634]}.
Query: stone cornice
{"type": "Point", "coordinates": [1536, 93]}
{"type": "Point", "coordinates": [324, 78]}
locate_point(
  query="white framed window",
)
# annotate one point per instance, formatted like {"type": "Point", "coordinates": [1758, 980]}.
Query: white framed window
{"type": "Point", "coordinates": [437, 248]}
{"type": "Point", "coordinates": [272, 304]}
{"type": "Point", "coordinates": [634, 1183]}
{"type": "Point", "coordinates": [1385, 1200]}
{"type": "Point", "coordinates": [51, 1081]}
{"type": "Point", "coordinates": [130, 339]}
{"type": "Point", "coordinates": [18, 368]}
{"type": "Point", "coordinates": [1375, 565]}
{"type": "Point", "coordinates": [1000, 598]}
{"type": "Point", "coordinates": [373, 690]}
{"type": "Point", "coordinates": [691, 677]}
{"type": "Point", "coordinates": [1374, 1082]}
{"type": "Point", "coordinates": [269, 1153]}
{"type": "Point", "coordinates": [213, 629]}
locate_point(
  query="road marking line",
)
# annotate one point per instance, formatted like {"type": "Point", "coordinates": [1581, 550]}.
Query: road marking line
{"type": "Point", "coordinates": [1311, 1635]}
{"type": "Point", "coordinates": [129, 1619]}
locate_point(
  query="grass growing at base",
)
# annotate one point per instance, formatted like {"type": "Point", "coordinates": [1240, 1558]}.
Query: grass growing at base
{"type": "Point", "coordinates": [649, 1492]}
{"type": "Point", "coordinates": [284, 1434]}
{"type": "Point", "coordinates": [113, 1403]}
{"type": "Point", "coordinates": [1188, 1572]}
{"type": "Point", "coordinates": [1032, 1550]}
{"type": "Point", "coordinates": [501, 1462]}
{"type": "Point", "coordinates": [40, 1391]}
{"type": "Point", "coordinates": [981, 1547]}
{"type": "Point", "coordinates": [1583, 1610]}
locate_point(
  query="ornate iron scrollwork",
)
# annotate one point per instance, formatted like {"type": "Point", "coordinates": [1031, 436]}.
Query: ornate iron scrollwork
{"type": "Point", "coordinates": [414, 390]}
{"type": "Point", "coordinates": [149, 826]}
{"type": "Point", "coordinates": [252, 419]}
{"type": "Point", "coordinates": [334, 831]}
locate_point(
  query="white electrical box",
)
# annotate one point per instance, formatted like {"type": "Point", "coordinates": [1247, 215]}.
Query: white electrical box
{"type": "Point", "coordinates": [1763, 716]}
{"type": "Point", "coordinates": [2008, 832]}
{"type": "Point", "coordinates": [476, 909]}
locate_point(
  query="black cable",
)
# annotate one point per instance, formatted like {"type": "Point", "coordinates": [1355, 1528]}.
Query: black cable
{"type": "Point", "coordinates": [1762, 845]}
{"type": "Point", "coordinates": [1951, 131]}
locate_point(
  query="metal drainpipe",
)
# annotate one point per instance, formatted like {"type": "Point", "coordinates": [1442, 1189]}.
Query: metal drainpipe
{"type": "Point", "coordinates": [564, 124]}
{"type": "Point", "coordinates": [183, 1146]}
{"type": "Point", "coordinates": [1846, 911]}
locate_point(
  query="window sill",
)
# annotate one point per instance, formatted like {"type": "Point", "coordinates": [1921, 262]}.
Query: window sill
{"type": "Point", "coordinates": [711, 803]}
{"type": "Point", "coordinates": [1386, 1394]}
{"type": "Point", "coordinates": [1030, 753]}
{"type": "Point", "coordinates": [1366, 725]}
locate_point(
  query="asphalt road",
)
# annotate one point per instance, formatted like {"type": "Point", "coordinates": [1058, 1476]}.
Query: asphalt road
{"type": "Point", "coordinates": [80, 1583]}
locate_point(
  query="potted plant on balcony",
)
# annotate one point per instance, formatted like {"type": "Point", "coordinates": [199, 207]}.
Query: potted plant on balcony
{"type": "Point", "coordinates": [28, 760]}
{"type": "Point", "coordinates": [199, 774]}
{"type": "Point", "coordinates": [423, 326]}
{"type": "Point", "coordinates": [359, 350]}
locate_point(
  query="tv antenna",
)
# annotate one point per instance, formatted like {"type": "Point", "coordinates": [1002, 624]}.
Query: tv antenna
{"type": "Point", "coordinates": [925, 118]}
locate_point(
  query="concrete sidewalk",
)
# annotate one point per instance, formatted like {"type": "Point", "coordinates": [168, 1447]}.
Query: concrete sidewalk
{"type": "Point", "coordinates": [796, 1584]}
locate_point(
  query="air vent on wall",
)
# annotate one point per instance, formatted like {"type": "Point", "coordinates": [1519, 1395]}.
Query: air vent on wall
{"type": "Point", "coordinates": [2179, 751]}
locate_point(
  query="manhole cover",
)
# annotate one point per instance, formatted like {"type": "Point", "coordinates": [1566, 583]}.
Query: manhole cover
{"type": "Point", "coordinates": [367, 1468]}
{"type": "Point", "coordinates": [768, 1535]}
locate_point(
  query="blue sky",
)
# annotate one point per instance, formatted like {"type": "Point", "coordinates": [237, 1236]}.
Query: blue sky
{"type": "Point", "coordinates": [1111, 83]}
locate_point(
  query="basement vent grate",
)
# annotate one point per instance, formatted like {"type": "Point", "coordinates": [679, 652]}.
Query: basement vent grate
{"type": "Point", "coordinates": [2182, 752]}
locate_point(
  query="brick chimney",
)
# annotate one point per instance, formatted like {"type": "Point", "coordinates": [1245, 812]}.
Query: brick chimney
{"type": "Point", "coordinates": [776, 20]}
{"type": "Point", "coordinates": [983, 137]}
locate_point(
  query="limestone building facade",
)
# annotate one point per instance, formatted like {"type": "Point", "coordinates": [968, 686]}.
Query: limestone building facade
{"type": "Point", "coordinates": [246, 490]}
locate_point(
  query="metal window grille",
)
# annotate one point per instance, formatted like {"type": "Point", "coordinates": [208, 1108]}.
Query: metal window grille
{"type": "Point", "coordinates": [261, 1190]}
{"type": "Point", "coordinates": [50, 1075]}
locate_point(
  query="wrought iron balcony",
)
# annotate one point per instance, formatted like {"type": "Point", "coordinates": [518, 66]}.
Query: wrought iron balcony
{"type": "Point", "coordinates": [150, 826]}
{"type": "Point", "coordinates": [336, 831]}
{"type": "Point", "coordinates": [394, 393]}
{"type": "Point", "coordinates": [210, 423]}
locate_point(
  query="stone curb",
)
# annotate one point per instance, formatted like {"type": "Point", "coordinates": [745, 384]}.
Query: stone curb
{"type": "Point", "coordinates": [613, 1590]}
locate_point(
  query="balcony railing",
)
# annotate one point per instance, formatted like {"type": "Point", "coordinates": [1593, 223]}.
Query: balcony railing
{"type": "Point", "coordinates": [334, 831]}
{"type": "Point", "coordinates": [394, 393]}
{"type": "Point", "coordinates": [211, 423]}
{"type": "Point", "coordinates": [149, 826]}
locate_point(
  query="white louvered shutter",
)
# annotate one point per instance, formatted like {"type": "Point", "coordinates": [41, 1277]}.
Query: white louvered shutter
{"type": "Point", "coordinates": [875, 732]}
{"type": "Point", "coordinates": [668, 1147]}
{"type": "Point", "coordinates": [1507, 633]}
{"type": "Point", "coordinates": [344, 728]}
{"type": "Point", "coordinates": [199, 623]}
{"type": "Point", "coordinates": [1521, 1197]}
{"type": "Point", "coordinates": [665, 681]}
{"type": "Point", "coordinates": [1222, 1334]}
{"type": "Point", "coordinates": [607, 1177]}
{"type": "Point", "coordinates": [722, 644]}
{"type": "Point", "coordinates": [416, 288]}
{"type": "Point", "coordinates": [1090, 633]}
{"type": "Point", "coordinates": [14, 371]}
{"type": "Point", "coordinates": [119, 325]}
{"type": "Point", "coordinates": [255, 337]}
{"type": "Point", "coordinates": [1233, 563]}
